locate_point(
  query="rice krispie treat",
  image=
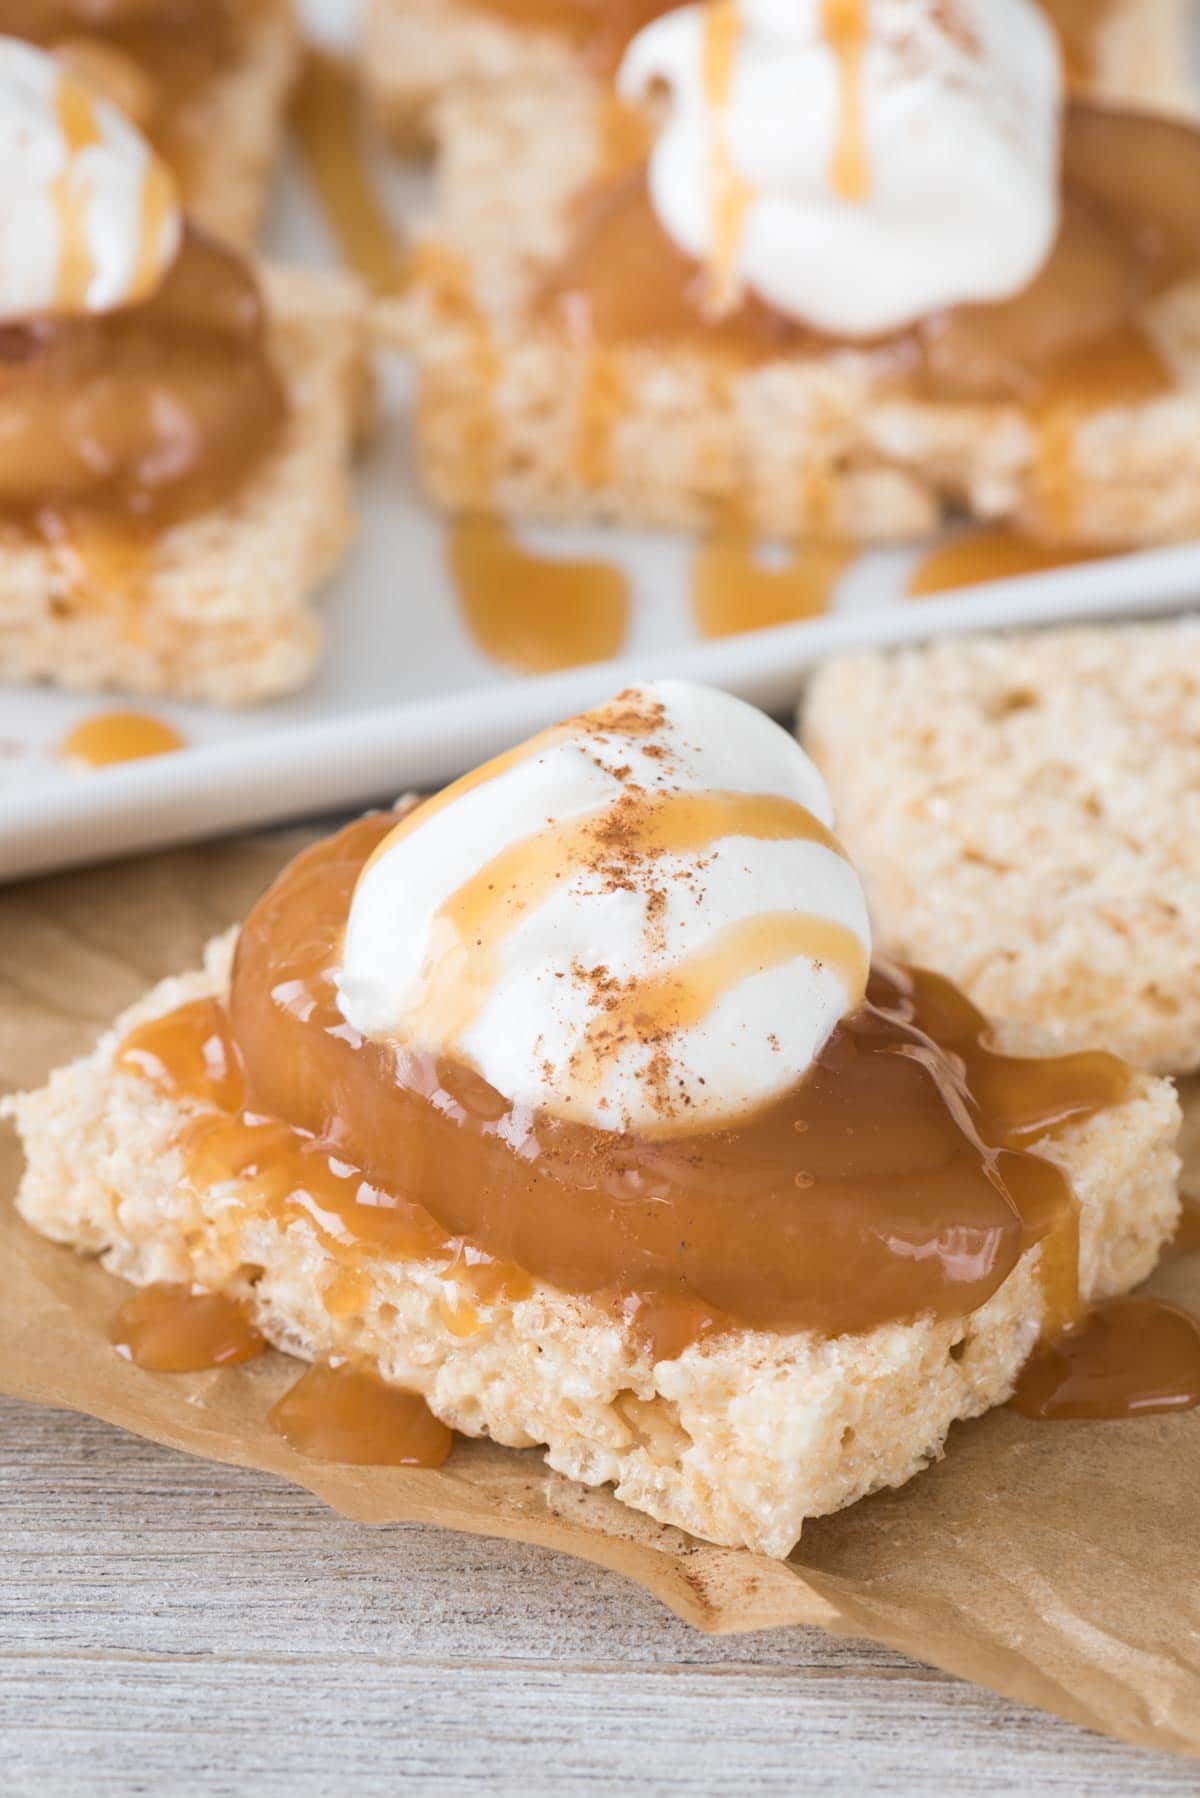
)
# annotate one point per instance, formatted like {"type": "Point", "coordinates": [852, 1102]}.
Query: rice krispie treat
{"type": "Point", "coordinates": [221, 606]}
{"type": "Point", "coordinates": [576, 362]}
{"type": "Point", "coordinates": [1025, 811]}
{"type": "Point", "coordinates": [648, 1220]}
{"type": "Point", "coordinates": [1134, 52]}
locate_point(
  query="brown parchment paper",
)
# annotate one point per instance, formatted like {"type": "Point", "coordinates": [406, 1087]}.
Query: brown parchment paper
{"type": "Point", "coordinates": [1058, 1564]}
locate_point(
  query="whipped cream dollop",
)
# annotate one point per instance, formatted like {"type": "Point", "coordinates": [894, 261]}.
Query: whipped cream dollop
{"type": "Point", "coordinates": [639, 920]}
{"type": "Point", "coordinates": [856, 163]}
{"type": "Point", "coordinates": [91, 218]}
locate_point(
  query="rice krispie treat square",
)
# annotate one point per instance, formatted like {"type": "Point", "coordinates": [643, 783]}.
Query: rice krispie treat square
{"type": "Point", "coordinates": [1025, 813]}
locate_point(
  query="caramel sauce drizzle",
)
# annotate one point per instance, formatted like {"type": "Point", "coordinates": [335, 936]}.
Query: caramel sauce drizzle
{"type": "Point", "coordinates": [1130, 1357]}
{"type": "Point", "coordinates": [112, 737]}
{"type": "Point", "coordinates": [180, 1329]}
{"type": "Point", "coordinates": [328, 123]}
{"type": "Point", "coordinates": [79, 126]}
{"type": "Point", "coordinates": [899, 1178]}
{"type": "Point", "coordinates": [471, 927]}
{"type": "Point", "coordinates": [733, 590]}
{"type": "Point", "coordinates": [731, 194]}
{"type": "Point", "coordinates": [349, 1414]}
{"type": "Point", "coordinates": [990, 554]}
{"type": "Point", "coordinates": [529, 612]}
{"type": "Point", "coordinates": [846, 27]}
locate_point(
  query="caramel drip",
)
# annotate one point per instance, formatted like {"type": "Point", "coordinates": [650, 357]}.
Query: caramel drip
{"type": "Point", "coordinates": [80, 128]}
{"type": "Point", "coordinates": [180, 1329]}
{"type": "Point", "coordinates": [159, 198]}
{"type": "Point", "coordinates": [470, 929]}
{"type": "Point", "coordinates": [112, 737]}
{"type": "Point", "coordinates": [731, 194]}
{"type": "Point", "coordinates": [350, 1415]}
{"type": "Point", "coordinates": [530, 612]}
{"type": "Point", "coordinates": [1126, 370]}
{"type": "Point", "coordinates": [995, 554]}
{"type": "Point", "coordinates": [188, 1052]}
{"type": "Point", "coordinates": [895, 1180]}
{"type": "Point", "coordinates": [1130, 1357]}
{"type": "Point", "coordinates": [845, 24]}
{"type": "Point", "coordinates": [601, 405]}
{"type": "Point", "coordinates": [106, 558]}
{"type": "Point", "coordinates": [327, 120]}
{"type": "Point", "coordinates": [734, 591]}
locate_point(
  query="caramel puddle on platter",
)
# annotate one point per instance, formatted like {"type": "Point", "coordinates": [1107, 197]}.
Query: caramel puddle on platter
{"type": "Point", "coordinates": [1129, 1357]}
{"type": "Point", "coordinates": [529, 612]}
{"type": "Point", "coordinates": [989, 555]}
{"type": "Point", "coordinates": [346, 1414]}
{"type": "Point", "coordinates": [733, 589]}
{"type": "Point", "coordinates": [181, 1329]}
{"type": "Point", "coordinates": [327, 120]}
{"type": "Point", "coordinates": [112, 737]}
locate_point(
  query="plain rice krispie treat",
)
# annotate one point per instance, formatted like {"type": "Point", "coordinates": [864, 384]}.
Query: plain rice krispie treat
{"type": "Point", "coordinates": [416, 51]}
{"type": "Point", "coordinates": [520, 416]}
{"type": "Point", "coordinates": [223, 609]}
{"type": "Point", "coordinates": [1025, 813]}
{"type": "Point", "coordinates": [737, 1439]}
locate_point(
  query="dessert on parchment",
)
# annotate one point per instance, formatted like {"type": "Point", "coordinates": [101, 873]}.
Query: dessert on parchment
{"type": "Point", "coordinates": [1137, 52]}
{"type": "Point", "coordinates": [1038, 832]}
{"type": "Point", "coordinates": [207, 80]}
{"type": "Point", "coordinates": [570, 1101]}
{"type": "Point", "coordinates": [174, 470]}
{"type": "Point", "coordinates": [843, 271]}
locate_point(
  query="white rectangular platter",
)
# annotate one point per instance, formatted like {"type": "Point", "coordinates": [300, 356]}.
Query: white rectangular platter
{"type": "Point", "coordinates": [406, 698]}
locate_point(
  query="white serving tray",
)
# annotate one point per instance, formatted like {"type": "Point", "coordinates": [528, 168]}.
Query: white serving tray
{"type": "Point", "coordinates": [404, 697]}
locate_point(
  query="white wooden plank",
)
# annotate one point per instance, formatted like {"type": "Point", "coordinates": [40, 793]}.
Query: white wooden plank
{"type": "Point", "coordinates": [170, 1625]}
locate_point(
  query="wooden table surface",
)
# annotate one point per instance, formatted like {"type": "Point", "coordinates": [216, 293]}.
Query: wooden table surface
{"type": "Point", "coordinates": [171, 1626]}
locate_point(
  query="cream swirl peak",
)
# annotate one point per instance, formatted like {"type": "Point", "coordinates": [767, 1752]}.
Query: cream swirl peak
{"type": "Point", "coordinates": [91, 219]}
{"type": "Point", "coordinates": [639, 919]}
{"type": "Point", "coordinates": [856, 163]}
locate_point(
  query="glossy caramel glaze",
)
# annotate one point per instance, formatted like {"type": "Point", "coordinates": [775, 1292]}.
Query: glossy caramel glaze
{"type": "Point", "coordinates": [327, 120]}
{"type": "Point", "coordinates": [180, 1329]}
{"type": "Point", "coordinates": [1130, 224]}
{"type": "Point", "coordinates": [348, 1414]}
{"type": "Point", "coordinates": [600, 29]}
{"type": "Point", "coordinates": [112, 737]}
{"type": "Point", "coordinates": [1128, 1358]}
{"type": "Point", "coordinates": [897, 1179]}
{"type": "Point", "coordinates": [531, 612]}
{"type": "Point", "coordinates": [148, 414]}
